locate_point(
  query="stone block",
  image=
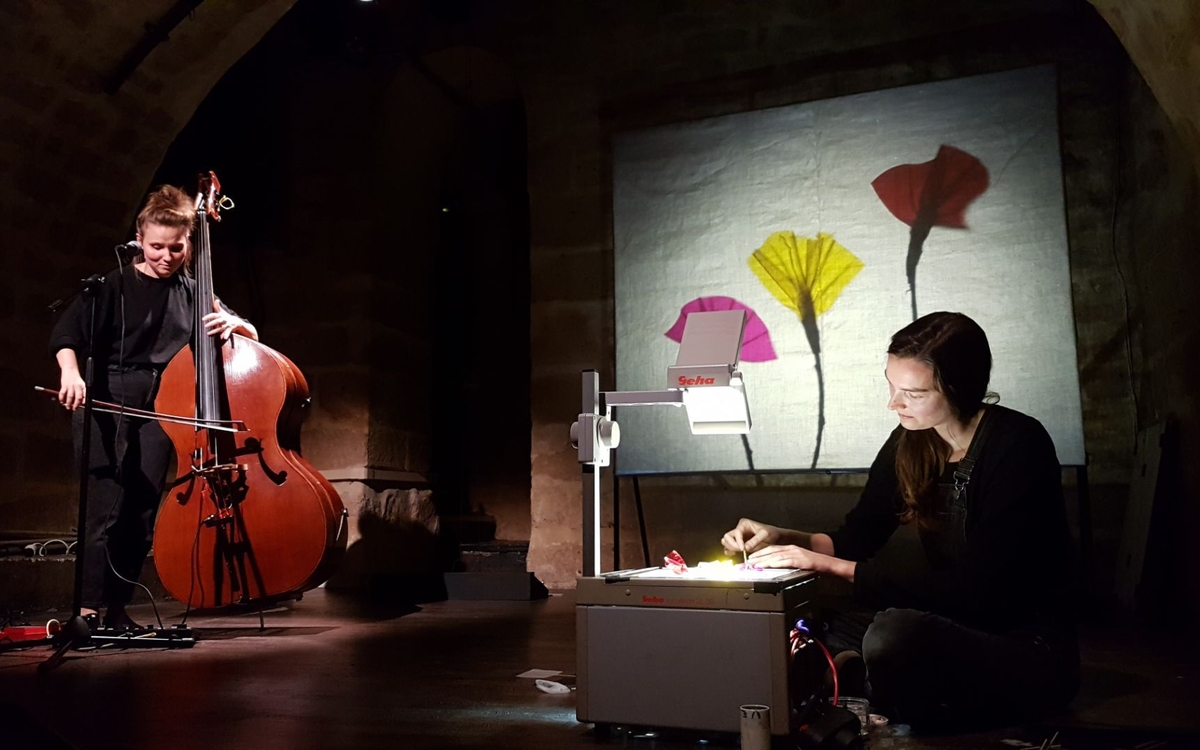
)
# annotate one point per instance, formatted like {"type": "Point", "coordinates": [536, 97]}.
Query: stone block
{"type": "Point", "coordinates": [333, 448]}
{"type": "Point", "coordinates": [97, 208]}
{"type": "Point", "coordinates": [557, 564]}
{"type": "Point", "coordinates": [39, 184]}
{"type": "Point", "coordinates": [393, 533]}
{"type": "Point", "coordinates": [493, 585]}
{"type": "Point", "coordinates": [556, 394]}
{"type": "Point", "coordinates": [552, 455]}
{"type": "Point", "coordinates": [569, 333]}
{"type": "Point", "coordinates": [388, 448]}
{"type": "Point", "coordinates": [569, 274]}
{"type": "Point", "coordinates": [477, 532]}
{"type": "Point", "coordinates": [392, 352]}
{"type": "Point", "coordinates": [566, 218]}
{"type": "Point", "coordinates": [340, 396]}
{"type": "Point", "coordinates": [159, 120]}
{"type": "Point", "coordinates": [420, 453]}
{"type": "Point", "coordinates": [21, 132]}
{"type": "Point", "coordinates": [77, 117]}
{"type": "Point", "coordinates": [80, 15]}
{"type": "Point", "coordinates": [47, 584]}
{"type": "Point", "coordinates": [122, 140]}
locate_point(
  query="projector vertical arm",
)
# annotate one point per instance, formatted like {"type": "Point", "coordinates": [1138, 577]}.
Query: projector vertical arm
{"type": "Point", "coordinates": [596, 435]}
{"type": "Point", "coordinates": [591, 446]}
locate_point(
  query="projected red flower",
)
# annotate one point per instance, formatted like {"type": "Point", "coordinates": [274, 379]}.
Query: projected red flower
{"type": "Point", "coordinates": [932, 194]}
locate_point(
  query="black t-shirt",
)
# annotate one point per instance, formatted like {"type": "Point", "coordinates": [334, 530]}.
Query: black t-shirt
{"type": "Point", "coordinates": [141, 320]}
{"type": "Point", "coordinates": [1016, 570]}
{"type": "Point", "coordinates": [140, 317]}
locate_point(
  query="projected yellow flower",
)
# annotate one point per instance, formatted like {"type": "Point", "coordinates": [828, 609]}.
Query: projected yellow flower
{"type": "Point", "coordinates": [807, 276]}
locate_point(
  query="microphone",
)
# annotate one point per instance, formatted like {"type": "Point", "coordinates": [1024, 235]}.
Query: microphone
{"type": "Point", "coordinates": [129, 250]}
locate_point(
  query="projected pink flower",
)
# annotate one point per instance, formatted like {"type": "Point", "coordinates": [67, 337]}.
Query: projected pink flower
{"type": "Point", "coordinates": [756, 342]}
{"type": "Point", "coordinates": [931, 194]}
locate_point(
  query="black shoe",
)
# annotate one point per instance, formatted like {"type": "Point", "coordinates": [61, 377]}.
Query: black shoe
{"type": "Point", "coordinates": [120, 621]}
{"type": "Point", "coordinates": [93, 621]}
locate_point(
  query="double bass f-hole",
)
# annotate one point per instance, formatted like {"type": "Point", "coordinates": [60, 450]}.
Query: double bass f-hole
{"type": "Point", "coordinates": [254, 447]}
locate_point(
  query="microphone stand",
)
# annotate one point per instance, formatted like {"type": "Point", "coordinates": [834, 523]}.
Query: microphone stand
{"type": "Point", "coordinates": [77, 632]}
{"type": "Point", "coordinates": [124, 252]}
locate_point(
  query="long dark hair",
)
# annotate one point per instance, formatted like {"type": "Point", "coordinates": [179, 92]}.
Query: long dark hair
{"type": "Point", "coordinates": [957, 350]}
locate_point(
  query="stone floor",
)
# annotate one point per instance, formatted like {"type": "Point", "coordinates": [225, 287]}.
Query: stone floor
{"type": "Point", "coordinates": [329, 672]}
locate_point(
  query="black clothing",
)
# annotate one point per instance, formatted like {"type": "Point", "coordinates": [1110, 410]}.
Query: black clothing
{"type": "Point", "coordinates": [1014, 569]}
{"type": "Point", "coordinates": [140, 320]}
{"type": "Point", "coordinates": [932, 671]}
{"type": "Point", "coordinates": [988, 610]}
{"type": "Point", "coordinates": [128, 465]}
{"type": "Point", "coordinates": [142, 323]}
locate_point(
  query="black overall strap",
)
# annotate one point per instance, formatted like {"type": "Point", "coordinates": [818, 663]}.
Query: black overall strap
{"type": "Point", "coordinates": [962, 474]}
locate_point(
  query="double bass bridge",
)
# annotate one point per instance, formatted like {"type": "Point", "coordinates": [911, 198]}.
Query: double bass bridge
{"type": "Point", "coordinates": [219, 471]}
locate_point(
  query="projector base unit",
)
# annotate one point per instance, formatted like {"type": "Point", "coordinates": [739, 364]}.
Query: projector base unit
{"type": "Point", "coordinates": [685, 654]}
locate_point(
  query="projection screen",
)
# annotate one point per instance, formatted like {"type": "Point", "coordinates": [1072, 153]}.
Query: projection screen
{"type": "Point", "coordinates": [835, 222]}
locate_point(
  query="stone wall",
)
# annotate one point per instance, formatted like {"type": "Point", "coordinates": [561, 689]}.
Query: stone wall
{"type": "Point", "coordinates": [1156, 228]}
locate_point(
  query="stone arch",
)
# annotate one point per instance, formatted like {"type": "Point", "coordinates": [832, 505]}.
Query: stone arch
{"type": "Point", "coordinates": [1163, 40]}
{"type": "Point", "coordinates": [74, 162]}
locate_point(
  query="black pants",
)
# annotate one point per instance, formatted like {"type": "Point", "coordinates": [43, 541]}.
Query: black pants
{"type": "Point", "coordinates": [127, 467]}
{"type": "Point", "coordinates": [933, 672]}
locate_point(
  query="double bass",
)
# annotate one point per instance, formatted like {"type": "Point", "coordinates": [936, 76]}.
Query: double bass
{"type": "Point", "coordinates": [247, 520]}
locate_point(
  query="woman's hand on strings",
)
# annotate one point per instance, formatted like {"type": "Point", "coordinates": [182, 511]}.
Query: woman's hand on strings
{"type": "Point", "coordinates": [222, 323]}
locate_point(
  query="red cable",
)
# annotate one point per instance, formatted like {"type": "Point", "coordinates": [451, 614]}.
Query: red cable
{"type": "Point", "coordinates": [795, 639]}
{"type": "Point", "coordinates": [832, 668]}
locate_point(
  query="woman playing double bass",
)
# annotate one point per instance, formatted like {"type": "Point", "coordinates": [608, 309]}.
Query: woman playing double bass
{"type": "Point", "coordinates": [145, 312]}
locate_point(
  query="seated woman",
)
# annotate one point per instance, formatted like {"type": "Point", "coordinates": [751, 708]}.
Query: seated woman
{"type": "Point", "coordinates": [982, 628]}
